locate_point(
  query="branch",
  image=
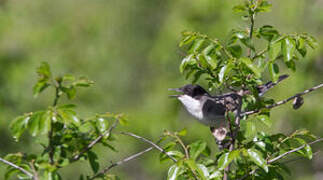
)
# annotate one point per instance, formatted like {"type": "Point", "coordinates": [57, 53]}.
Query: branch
{"type": "Point", "coordinates": [283, 155]}
{"type": "Point", "coordinates": [293, 150]}
{"type": "Point", "coordinates": [105, 170]}
{"type": "Point", "coordinates": [284, 101]}
{"type": "Point", "coordinates": [95, 141]}
{"type": "Point", "coordinates": [149, 142]}
{"type": "Point", "coordinates": [16, 167]}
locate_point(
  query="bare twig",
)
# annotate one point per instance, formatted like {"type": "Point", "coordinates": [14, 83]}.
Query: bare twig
{"type": "Point", "coordinates": [107, 169]}
{"type": "Point", "coordinates": [149, 142]}
{"type": "Point", "coordinates": [17, 167]}
{"type": "Point", "coordinates": [298, 158]}
{"type": "Point", "coordinates": [283, 155]}
{"type": "Point", "coordinates": [284, 101]}
{"type": "Point", "coordinates": [95, 141]}
{"type": "Point", "coordinates": [293, 150]}
{"type": "Point", "coordinates": [35, 177]}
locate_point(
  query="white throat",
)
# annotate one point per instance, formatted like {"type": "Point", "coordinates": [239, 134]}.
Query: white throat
{"type": "Point", "coordinates": [192, 105]}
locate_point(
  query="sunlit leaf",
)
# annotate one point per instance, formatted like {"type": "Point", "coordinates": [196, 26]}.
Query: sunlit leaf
{"type": "Point", "coordinates": [227, 158]}
{"type": "Point", "coordinates": [196, 148]}
{"type": "Point", "coordinates": [288, 48]}
{"type": "Point", "coordinates": [251, 66]}
{"type": "Point", "coordinates": [274, 50]}
{"type": "Point", "coordinates": [257, 158]}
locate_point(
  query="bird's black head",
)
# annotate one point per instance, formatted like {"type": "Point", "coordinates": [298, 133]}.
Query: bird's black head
{"type": "Point", "coordinates": [191, 90]}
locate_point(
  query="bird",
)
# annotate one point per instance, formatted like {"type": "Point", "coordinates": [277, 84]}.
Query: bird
{"type": "Point", "coordinates": [210, 110]}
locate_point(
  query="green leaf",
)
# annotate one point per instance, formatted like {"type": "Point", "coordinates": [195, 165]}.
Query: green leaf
{"type": "Point", "coordinates": [39, 87]}
{"type": "Point", "coordinates": [183, 132]}
{"type": "Point", "coordinates": [102, 124]}
{"type": "Point", "coordinates": [203, 170]}
{"type": "Point", "coordinates": [274, 50]}
{"type": "Point", "coordinates": [68, 77]}
{"type": "Point", "coordinates": [34, 122]}
{"type": "Point", "coordinates": [197, 44]}
{"type": "Point", "coordinates": [235, 50]}
{"type": "Point", "coordinates": [226, 158]}
{"type": "Point", "coordinates": [264, 118]}
{"type": "Point", "coordinates": [311, 41]}
{"type": "Point", "coordinates": [251, 66]}
{"type": "Point", "coordinates": [44, 70]}
{"type": "Point", "coordinates": [291, 65]}
{"type": "Point", "coordinates": [187, 39]}
{"type": "Point", "coordinates": [69, 116]}
{"type": "Point", "coordinates": [45, 122]}
{"type": "Point", "coordinates": [288, 48]}
{"type": "Point", "coordinates": [196, 148]}
{"type": "Point", "coordinates": [188, 60]}
{"type": "Point", "coordinates": [239, 8]}
{"type": "Point", "coordinates": [273, 71]}
{"type": "Point", "coordinates": [256, 157]}
{"type": "Point", "coordinates": [194, 168]}
{"type": "Point", "coordinates": [83, 82]}
{"type": "Point", "coordinates": [93, 161]}
{"type": "Point", "coordinates": [69, 91]}
{"type": "Point", "coordinates": [173, 172]}
{"type": "Point", "coordinates": [18, 126]}
{"type": "Point", "coordinates": [224, 71]}
{"type": "Point", "coordinates": [264, 6]}
{"type": "Point", "coordinates": [306, 151]}
{"type": "Point", "coordinates": [217, 175]}
{"type": "Point", "coordinates": [268, 32]}
{"type": "Point", "coordinates": [301, 48]}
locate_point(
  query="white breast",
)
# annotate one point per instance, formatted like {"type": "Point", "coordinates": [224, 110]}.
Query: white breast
{"type": "Point", "coordinates": [192, 105]}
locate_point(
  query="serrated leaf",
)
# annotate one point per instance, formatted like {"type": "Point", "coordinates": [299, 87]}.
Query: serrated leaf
{"type": "Point", "coordinates": [251, 66]}
{"type": "Point", "coordinates": [226, 158]}
{"type": "Point", "coordinates": [256, 157]}
{"type": "Point", "coordinates": [188, 60]}
{"type": "Point", "coordinates": [173, 172]}
{"type": "Point", "coordinates": [193, 166]}
{"type": "Point", "coordinates": [288, 48]}
{"type": "Point", "coordinates": [45, 123]}
{"type": "Point", "coordinates": [187, 39]}
{"type": "Point", "coordinates": [197, 44]}
{"type": "Point", "coordinates": [196, 148]}
{"type": "Point", "coordinates": [224, 71]}
{"type": "Point", "coordinates": [274, 50]}
{"type": "Point", "coordinates": [18, 126]}
{"type": "Point", "coordinates": [34, 122]}
{"type": "Point", "coordinates": [268, 32]}
{"type": "Point", "coordinates": [39, 87]}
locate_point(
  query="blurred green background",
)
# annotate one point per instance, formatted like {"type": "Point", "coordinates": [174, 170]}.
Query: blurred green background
{"type": "Point", "coordinates": [129, 48]}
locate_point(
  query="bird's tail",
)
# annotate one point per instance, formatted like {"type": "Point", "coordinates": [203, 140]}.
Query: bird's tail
{"type": "Point", "coordinates": [265, 87]}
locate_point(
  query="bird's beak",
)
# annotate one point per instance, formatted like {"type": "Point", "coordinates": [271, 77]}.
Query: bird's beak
{"type": "Point", "coordinates": [175, 89]}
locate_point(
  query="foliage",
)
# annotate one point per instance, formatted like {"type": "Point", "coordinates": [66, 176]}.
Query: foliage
{"type": "Point", "coordinates": [63, 134]}
{"type": "Point", "coordinates": [242, 62]}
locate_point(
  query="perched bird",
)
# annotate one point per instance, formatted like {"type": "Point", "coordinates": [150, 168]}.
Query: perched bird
{"type": "Point", "coordinates": [210, 110]}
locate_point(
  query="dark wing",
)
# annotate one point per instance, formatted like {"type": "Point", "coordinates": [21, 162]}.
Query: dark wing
{"type": "Point", "coordinates": [213, 108]}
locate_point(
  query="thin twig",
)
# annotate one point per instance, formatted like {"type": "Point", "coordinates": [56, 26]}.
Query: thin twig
{"type": "Point", "coordinates": [35, 177]}
{"type": "Point", "coordinates": [17, 167]}
{"type": "Point", "coordinates": [284, 101]}
{"type": "Point", "coordinates": [95, 141]}
{"type": "Point", "coordinates": [283, 155]}
{"type": "Point", "coordinates": [107, 169]}
{"type": "Point", "coordinates": [298, 158]}
{"type": "Point", "coordinates": [187, 155]}
{"type": "Point", "coordinates": [149, 142]}
{"type": "Point", "coordinates": [293, 150]}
